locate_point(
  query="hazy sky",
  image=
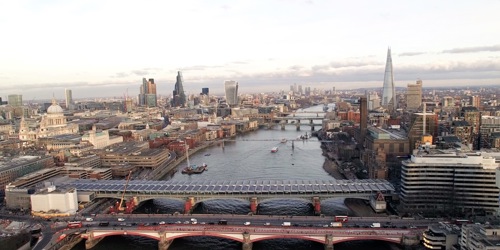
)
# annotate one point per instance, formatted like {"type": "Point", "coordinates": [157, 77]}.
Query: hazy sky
{"type": "Point", "coordinates": [105, 48]}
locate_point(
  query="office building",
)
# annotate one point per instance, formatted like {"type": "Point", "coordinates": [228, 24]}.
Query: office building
{"type": "Point", "coordinates": [414, 96]}
{"type": "Point", "coordinates": [231, 89]}
{"type": "Point", "coordinates": [388, 91]}
{"type": "Point", "coordinates": [449, 181]}
{"type": "Point", "coordinates": [472, 116]}
{"type": "Point", "coordinates": [68, 94]}
{"type": "Point", "coordinates": [479, 237]}
{"type": "Point", "coordinates": [422, 124]}
{"type": "Point", "coordinates": [15, 100]}
{"type": "Point", "coordinates": [12, 168]}
{"type": "Point", "coordinates": [147, 93]}
{"type": "Point", "coordinates": [363, 124]}
{"type": "Point", "coordinates": [204, 91]}
{"type": "Point", "coordinates": [179, 97]}
{"type": "Point", "coordinates": [475, 101]}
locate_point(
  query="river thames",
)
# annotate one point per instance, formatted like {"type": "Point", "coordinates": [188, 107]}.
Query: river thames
{"type": "Point", "coordinates": [249, 157]}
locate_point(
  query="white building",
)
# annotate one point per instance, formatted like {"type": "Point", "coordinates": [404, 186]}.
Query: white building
{"type": "Point", "coordinates": [100, 138]}
{"type": "Point", "coordinates": [480, 237]}
{"type": "Point", "coordinates": [450, 181]}
{"type": "Point", "coordinates": [52, 200]}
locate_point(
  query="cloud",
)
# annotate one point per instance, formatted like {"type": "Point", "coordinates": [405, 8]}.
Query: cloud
{"type": "Point", "coordinates": [120, 75]}
{"type": "Point", "coordinates": [199, 67]}
{"type": "Point", "coordinates": [473, 49]}
{"type": "Point", "coordinates": [412, 53]}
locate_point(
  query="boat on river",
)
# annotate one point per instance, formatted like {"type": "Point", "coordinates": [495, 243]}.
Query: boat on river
{"type": "Point", "coordinates": [284, 140]}
{"type": "Point", "coordinates": [194, 169]}
{"type": "Point", "coordinates": [274, 149]}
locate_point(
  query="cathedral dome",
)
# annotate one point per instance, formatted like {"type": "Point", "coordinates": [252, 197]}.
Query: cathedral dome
{"type": "Point", "coordinates": [54, 108]}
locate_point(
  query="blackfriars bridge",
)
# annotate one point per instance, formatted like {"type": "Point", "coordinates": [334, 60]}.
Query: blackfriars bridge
{"type": "Point", "coordinates": [247, 235]}
{"type": "Point", "coordinates": [192, 192]}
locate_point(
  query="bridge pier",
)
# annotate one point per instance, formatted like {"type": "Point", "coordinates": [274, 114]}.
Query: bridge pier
{"type": "Point", "coordinates": [164, 244]}
{"type": "Point", "coordinates": [283, 126]}
{"type": "Point", "coordinates": [188, 205]}
{"type": "Point", "coordinates": [297, 125]}
{"type": "Point", "coordinates": [317, 205]}
{"type": "Point", "coordinates": [253, 205]}
{"type": "Point", "coordinates": [329, 242]}
{"type": "Point", "coordinates": [247, 245]}
{"type": "Point", "coordinates": [91, 242]}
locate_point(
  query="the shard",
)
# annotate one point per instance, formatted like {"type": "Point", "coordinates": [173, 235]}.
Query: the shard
{"type": "Point", "coordinates": [388, 91]}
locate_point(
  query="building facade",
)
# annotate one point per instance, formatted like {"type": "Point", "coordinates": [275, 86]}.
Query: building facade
{"type": "Point", "coordinates": [178, 95]}
{"type": "Point", "coordinates": [68, 94]}
{"type": "Point", "coordinates": [231, 90]}
{"type": "Point", "coordinates": [450, 181]}
{"type": "Point", "coordinates": [414, 95]}
{"type": "Point", "coordinates": [15, 100]}
{"type": "Point", "coordinates": [147, 93]}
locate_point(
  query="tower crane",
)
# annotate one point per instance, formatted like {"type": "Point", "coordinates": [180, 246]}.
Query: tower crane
{"type": "Point", "coordinates": [118, 206]}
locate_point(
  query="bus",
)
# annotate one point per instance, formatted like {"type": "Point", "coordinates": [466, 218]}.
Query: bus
{"type": "Point", "coordinates": [74, 224]}
{"type": "Point", "coordinates": [341, 218]}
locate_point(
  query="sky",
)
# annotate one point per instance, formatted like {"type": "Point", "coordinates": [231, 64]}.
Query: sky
{"type": "Point", "coordinates": [100, 48]}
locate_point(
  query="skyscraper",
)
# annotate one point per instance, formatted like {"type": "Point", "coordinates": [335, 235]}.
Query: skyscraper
{"type": "Point", "coordinates": [388, 91]}
{"type": "Point", "coordinates": [15, 100]}
{"type": "Point", "coordinates": [147, 93]}
{"type": "Point", "coordinates": [69, 98]}
{"type": "Point", "coordinates": [414, 95]}
{"type": "Point", "coordinates": [231, 88]}
{"type": "Point", "coordinates": [179, 97]}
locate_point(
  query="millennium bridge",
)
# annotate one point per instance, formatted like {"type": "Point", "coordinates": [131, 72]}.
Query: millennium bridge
{"type": "Point", "coordinates": [192, 192]}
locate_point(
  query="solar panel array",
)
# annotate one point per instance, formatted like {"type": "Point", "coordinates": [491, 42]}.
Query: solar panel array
{"type": "Point", "coordinates": [236, 187]}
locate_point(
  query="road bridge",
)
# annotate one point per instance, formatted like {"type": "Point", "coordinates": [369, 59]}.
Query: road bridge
{"type": "Point", "coordinates": [247, 235]}
{"type": "Point", "coordinates": [192, 192]}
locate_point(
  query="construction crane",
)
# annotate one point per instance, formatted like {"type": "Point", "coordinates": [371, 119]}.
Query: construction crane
{"type": "Point", "coordinates": [118, 206]}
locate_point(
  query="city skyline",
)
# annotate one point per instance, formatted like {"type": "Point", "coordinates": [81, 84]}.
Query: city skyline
{"type": "Point", "coordinates": [98, 47]}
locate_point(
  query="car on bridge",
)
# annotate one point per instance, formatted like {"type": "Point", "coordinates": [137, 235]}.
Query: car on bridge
{"type": "Point", "coordinates": [247, 223]}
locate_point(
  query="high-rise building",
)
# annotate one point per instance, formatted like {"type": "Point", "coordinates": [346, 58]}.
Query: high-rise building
{"type": "Point", "coordinates": [475, 101]}
{"type": "Point", "coordinates": [15, 100]}
{"type": "Point", "coordinates": [449, 181]}
{"type": "Point", "coordinates": [422, 124]}
{"type": "Point", "coordinates": [69, 98]}
{"type": "Point", "coordinates": [414, 95]}
{"type": "Point", "coordinates": [147, 93]}
{"type": "Point", "coordinates": [388, 91]}
{"type": "Point", "coordinates": [179, 97]}
{"type": "Point", "coordinates": [204, 91]}
{"type": "Point", "coordinates": [363, 124]}
{"type": "Point", "coordinates": [231, 89]}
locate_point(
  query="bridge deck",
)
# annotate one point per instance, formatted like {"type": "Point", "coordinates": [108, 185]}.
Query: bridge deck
{"type": "Point", "coordinates": [236, 187]}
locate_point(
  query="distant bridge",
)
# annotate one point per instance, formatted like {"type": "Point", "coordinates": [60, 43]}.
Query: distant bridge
{"type": "Point", "coordinates": [247, 235]}
{"type": "Point", "coordinates": [253, 190]}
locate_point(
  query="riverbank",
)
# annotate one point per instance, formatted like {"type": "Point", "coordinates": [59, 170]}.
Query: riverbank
{"type": "Point", "coordinates": [332, 169]}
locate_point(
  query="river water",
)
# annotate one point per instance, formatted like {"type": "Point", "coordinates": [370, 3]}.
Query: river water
{"type": "Point", "coordinates": [249, 157]}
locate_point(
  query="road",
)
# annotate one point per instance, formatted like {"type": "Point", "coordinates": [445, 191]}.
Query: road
{"type": "Point", "coordinates": [51, 230]}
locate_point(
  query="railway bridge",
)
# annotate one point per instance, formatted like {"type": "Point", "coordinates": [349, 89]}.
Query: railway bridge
{"type": "Point", "coordinates": [191, 192]}
{"type": "Point", "coordinates": [247, 235]}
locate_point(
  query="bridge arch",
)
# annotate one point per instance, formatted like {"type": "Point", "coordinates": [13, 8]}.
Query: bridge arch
{"type": "Point", "coordinates": [396, 240]}
{"type": "Point", "coordinates": [209, 234]}
{"type": "Point", "coordinates": [284, 236]}
{"type": "Point", "coordinates": [149, 235]}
